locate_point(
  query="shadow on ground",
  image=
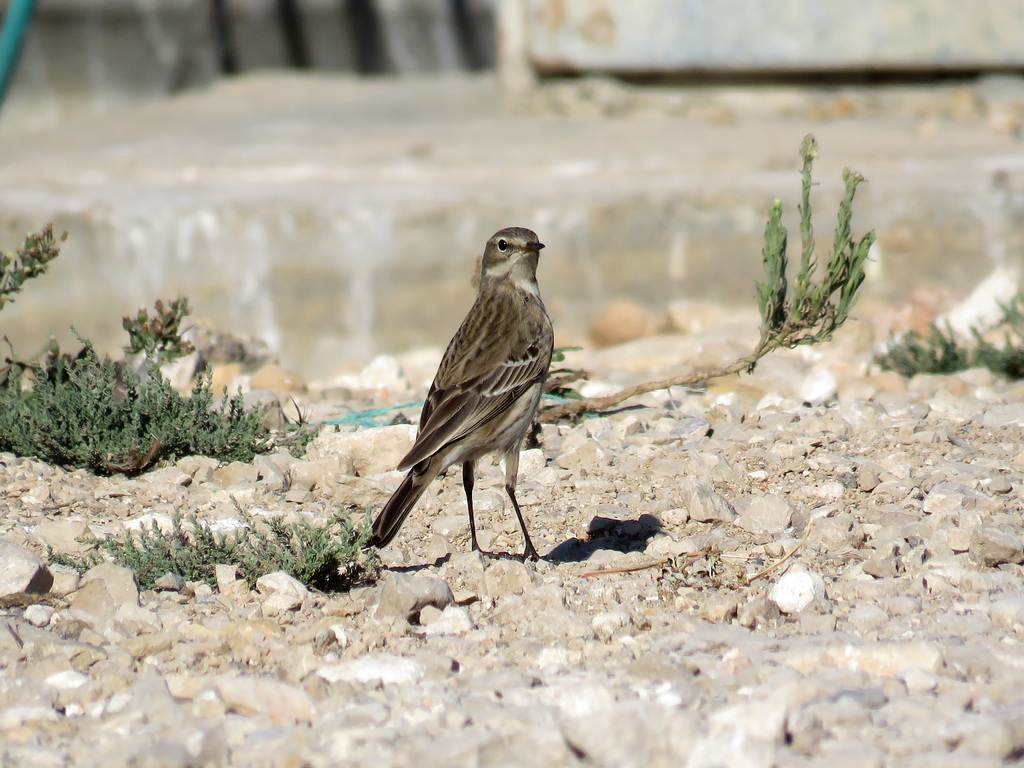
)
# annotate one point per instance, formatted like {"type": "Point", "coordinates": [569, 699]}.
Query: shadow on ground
{"type": "Point", "coordinates": [607, 533]}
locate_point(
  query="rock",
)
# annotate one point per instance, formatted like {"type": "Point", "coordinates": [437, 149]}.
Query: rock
{"type": "Point", "coordinates": [952, 498]}
{"type": "Point", "coordinates": [280, 592]}
{"type": "Point", "coordinates": [918, 680]}
{"type": "Point", "coordinates": [703, 504]}
{"type": "Point", "coordinates": [404, 596]}
{"type": "Point", "coordinates": [63, 535]}
{"type": "Point", "coordinates": [226, 575]}
{"type": "Point", "coordinates": [451, 526]}
{"type": "Point", "coordinates": [877, 659]}
{"type": "Point", "coordinates": [269, 406]}
{"type": "Point", "coordinates": [22, 571]}
{"type": "Point", "coordinates": [742, 735]}
{"type": "Point", "coordinates": [65, 579]}
{"type": "Point", "coordinates": [620, 321]}
{"type": "Point", "coordinates": [506, 577]}
{"type": "Point", "coordinates": [383, 668]}
{"type": "Point", "coordinates": [454, 620]}
{"type": "Point", "coordinates": [1008, 612]}
{"type": "Point", "coordinates": [798, 589]}
{"type": "Point", "coordinates": [200, 468]}
{"type": "Point", "coordinates": [382, 377]}
{"type": "Point", "coordinates": [866, 617]}
{"type": "Point", "coordinates": [172, 476]}
{"type": "Point", "coordinates": [282, 703]}
{"type": "Point", "coordinates": [170, 582]}
{"type": "Point", "coordinates": [763, 514]}
{"type": "Point", "coordinates": [270, 475]}
{"type": "Point", "coordinates": [93, 603]}
{"type": "Point", "coordinates": [1003, 415]}
{"type": "Point", "coordinates": [38, 615]}
{"type": "Point", "coordinates": [274, 377]}
{"type": "Point", "coordinates": [818, 386]}
{"type": "Point", "coordinates": [991, 546]}
{"type": "Point", "coordinates": [235, 473]}
{"type": "Point", "coordinates": [120, 582]}
{"type": "Point", "coordinates": [366, 452]}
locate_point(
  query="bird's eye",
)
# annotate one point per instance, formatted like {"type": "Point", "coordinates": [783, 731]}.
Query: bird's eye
{"type": "Point", "coordinates": [503, 245]}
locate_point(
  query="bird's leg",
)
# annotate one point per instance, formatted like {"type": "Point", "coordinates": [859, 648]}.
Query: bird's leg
{"type": "Point", "coordinates": [468, 468]}
{"type": "Point", "coordinates": [511, 475]}
{"type": "Point", "coordinates": [529, 552]}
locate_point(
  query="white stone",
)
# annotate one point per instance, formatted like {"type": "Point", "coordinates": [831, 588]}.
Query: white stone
{"type": "Point", "coordinates": [22, 571]}
{"type": "Point", "coordinates": [280, 592]}
{"type": "Point", "coordinates": [385, 668]}
{"type": "Point", "coordinates": [454, 620]}
{"type": "Point", "coordinates": [797, 589]}
{"type": "Point", "coordinates": [365, 452]}
{"type": "Point", "coordinates": [818, 386]}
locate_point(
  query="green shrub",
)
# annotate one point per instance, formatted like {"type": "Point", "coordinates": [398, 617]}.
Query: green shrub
{"type": "Point", "coordinates": [940, 351]}
{"type": "Point", "coordinates": [328, 557]}
{"type": "Point", "coordinates": [92, 413]}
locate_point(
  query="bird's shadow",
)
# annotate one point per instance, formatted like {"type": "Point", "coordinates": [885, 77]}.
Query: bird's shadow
{"type": "Point", "coordinates": [630, 535]}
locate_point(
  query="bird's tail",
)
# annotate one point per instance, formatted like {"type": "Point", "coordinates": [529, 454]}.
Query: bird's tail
{"type": "Point", "coordinates": [390, 519]}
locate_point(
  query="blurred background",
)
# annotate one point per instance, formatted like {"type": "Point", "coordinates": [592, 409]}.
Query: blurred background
{"type": "Point", "coordinates": [323, 174]}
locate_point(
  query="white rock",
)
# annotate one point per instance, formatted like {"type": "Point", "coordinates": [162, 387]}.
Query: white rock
{"type": "Point", "coordinates": [120, 582]}
{"type": "Point", "coordinates": [383, 373]}
{"type": "Point", "coordinates": [703, 504]}
{"type": "Point", "coordinates": [530, 463]}
{"type": "Point", "coordinates": [770, 514]}
{"type": "Point", "coordinates": [454, 620]}
{"type": "Point", "coordinates": [404, 595]}
{"type": "Point", "coordinates": [797, 589]}
{"type": "Point", "coordinates": [38, 615]}
{"type": "Point", "coordinates": [818, 387]}
{"type": "Point", "coordinates": [66, 680]}
{"type": "Point", "coordinates": [385, 668]}
{"type": "Point", "coordinates": [22, 571]}
{"type": "Point", "coordinates": [366, 452]}
{"type": "Point", "coordinates": [280, 592]}
{"type": "Point", "coordinates": [607, 625]}
{"type": "Point", "coordinates": [282, 703]}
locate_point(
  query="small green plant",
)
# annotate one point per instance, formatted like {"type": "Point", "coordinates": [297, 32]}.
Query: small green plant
{"type": "Point", "coordinates": [27, 262]}
{"type": "Point", "coordinates": [816, 309]}
{"type": "Point", "coordinates": [940, 352]}
{"type": "Point", "coordinates": [92, 413]}
{"type": "Point", "coordinates": [159, 336]}
{"type": "Point", "coordinates": [328, 557]}
{"type": "Point", "coordinates": [808, 312]}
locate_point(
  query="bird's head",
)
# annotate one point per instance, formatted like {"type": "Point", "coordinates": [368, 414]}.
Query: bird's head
{"type": "Point", "coordinates": [512, 253]}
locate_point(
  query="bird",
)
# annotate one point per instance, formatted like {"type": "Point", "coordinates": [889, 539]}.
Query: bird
{"type": "Point", "coordinates": [487, 388]}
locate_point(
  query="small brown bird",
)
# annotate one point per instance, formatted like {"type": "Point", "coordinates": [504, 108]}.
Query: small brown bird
{"type": "Point", "coordinates": [488, 386]}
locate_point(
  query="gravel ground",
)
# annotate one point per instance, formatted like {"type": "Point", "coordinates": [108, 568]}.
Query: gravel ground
{"type": "Point", "coordinates": [892, 637]}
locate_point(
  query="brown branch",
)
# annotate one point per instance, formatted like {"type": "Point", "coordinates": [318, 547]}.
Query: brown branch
{"type": "Point", "coordinates": [627, 568]}
{"type": "Point", "coordinates": [572, 408]}
{"type": "Point", "coordinates": [773, 566]}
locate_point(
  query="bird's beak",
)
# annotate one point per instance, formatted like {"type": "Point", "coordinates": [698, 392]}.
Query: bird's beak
{"type": "Point", "coordinates": [533, 246]}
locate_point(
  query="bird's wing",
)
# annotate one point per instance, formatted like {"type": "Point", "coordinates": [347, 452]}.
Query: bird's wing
{"type": "Point", "coordinates": [451, 413]}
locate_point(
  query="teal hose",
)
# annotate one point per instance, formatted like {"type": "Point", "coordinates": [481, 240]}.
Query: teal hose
{"type": "Point", "coordinates": [16, 21]}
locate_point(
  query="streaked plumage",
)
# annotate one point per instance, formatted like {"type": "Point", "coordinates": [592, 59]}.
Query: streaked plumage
{"type": "Point", "coordinates": [487, 388]}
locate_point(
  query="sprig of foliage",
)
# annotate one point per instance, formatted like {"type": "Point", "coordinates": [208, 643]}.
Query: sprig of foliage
{"type": "Point", "coordinates": [816, 309]}
{"type": "Point", "coordinates": [327, 557]}
{"type": "Point", "coordinates": [941, 352]}
{"type": "Point", "coordinates": [809, 314]}
{"type": "Point", "coordinates": [27, 262]}
{"type": "Point", "coordinates": [92, 413]}
{"type": "Point", "coordinates": [159, 336]}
